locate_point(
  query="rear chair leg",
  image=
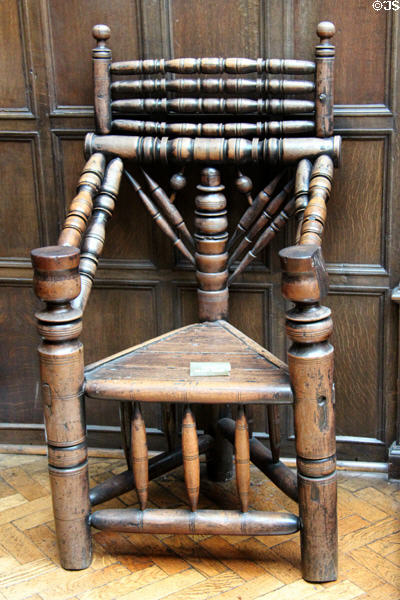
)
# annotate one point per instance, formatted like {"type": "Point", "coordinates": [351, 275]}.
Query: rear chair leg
{"type": "Point", "coordinates": [220, 456]}
{"type": "Point", "coordinates": [57, 282]}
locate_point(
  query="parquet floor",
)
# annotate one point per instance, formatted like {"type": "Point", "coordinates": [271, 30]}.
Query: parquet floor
{"type": "Point", "coordinates": [147, 567]}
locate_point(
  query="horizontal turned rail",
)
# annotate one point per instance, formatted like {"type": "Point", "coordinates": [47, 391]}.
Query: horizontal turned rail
{"type": "Point", "coordinates": [258, 129]}
{"type": "Point", "coordinates": [213, 106]}
{"type": "Point", "coordinates": [201, 522]}
{"type": "Point", "coordinates": [212, 86]}
{"type": "Point", "coordinates": [209, 150]}
{"type": "Point", "coordinates": [213, 66]}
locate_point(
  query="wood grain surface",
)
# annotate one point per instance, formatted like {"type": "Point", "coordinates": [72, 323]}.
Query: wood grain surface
{"type": "Point", "coordinates": [181, 567]}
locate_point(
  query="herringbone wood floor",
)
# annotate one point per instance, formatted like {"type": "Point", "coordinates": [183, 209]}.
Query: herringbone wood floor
{"type": "Point", "coordinates": [147, 567]}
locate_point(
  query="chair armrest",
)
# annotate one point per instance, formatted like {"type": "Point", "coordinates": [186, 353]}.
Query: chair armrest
{"type": "Point", "coordinates": [304, 274]}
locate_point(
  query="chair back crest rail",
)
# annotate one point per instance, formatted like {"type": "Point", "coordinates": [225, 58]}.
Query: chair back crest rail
{"type": "Point", "coordinates": [151, 92]}
{"type": "Point", "coordinates": [176, 112]}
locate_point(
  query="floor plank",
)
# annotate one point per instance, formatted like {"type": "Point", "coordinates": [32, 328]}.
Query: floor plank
{"type": "Point", "coordinates": [176, 567]}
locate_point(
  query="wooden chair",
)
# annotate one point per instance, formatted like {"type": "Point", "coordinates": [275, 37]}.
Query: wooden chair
{"type": "Point", "coordinates": [297, 156]}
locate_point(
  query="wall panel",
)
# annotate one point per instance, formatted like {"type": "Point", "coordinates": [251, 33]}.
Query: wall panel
{"type": "Point", "coordinates": [19, 195]}
{"type": "Point", "coordinates": [143, 288]}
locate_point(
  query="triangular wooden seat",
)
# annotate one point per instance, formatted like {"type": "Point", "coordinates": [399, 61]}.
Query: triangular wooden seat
{"type": "Point", "coordinates": [159, 370]}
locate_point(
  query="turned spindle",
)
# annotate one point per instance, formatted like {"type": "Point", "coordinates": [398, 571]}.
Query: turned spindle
{"type": "Point", "coordinates": [263, 220]}
{"type": "Point", "coordinates": [310, 359]}
{"type": "Point", "coordinates": [260, 129]}
{"type": "Point", "coordinates": [235, 86]}
{"type": "Point", "coordinates": [211, 235]}
{"type": "Point", "coordinates": [170, 211]}
{"type": "Point", "coordinates": [57, 283]}
{"type": "Point", "coordinates": [93, 242]}
{"type": "Point", "coordinates": [140, 462]}
{"type": "Point", "coordinates": [244, 185]}
{"type": "Point", "coordinates": [324, 59]}
{"type": "Point", "coordinates": [242, 458]}
{"type": "Point", "coordinates": [102, 80]}
{"type": "Point", "coordinates": [253, 211]}
{"type": "Point", "coordinates": [301, 190]}
{"type": "Point", "coordinates": [276, 106]}
{"type": "Point", "coordinates": [213, 66]}
{"type": "Point", "coordinates": [81, 206]}
{"type": "Point", "coordinates": [177, 183]}
{"type": "Point", "coordinates": [159, 219]}
{"type": "Point", "coordinates": [314, 216]}
{"type": "Point", "coordinates": [191, 460]}
{"type": "Point", "coordinates": [265, 238]}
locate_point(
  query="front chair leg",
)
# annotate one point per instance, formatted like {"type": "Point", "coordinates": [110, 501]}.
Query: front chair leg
{"type": "Point", "coordinates": [310, 361]}
{"type": "Point", "coordinates": [57, 282]}
{"type": "Point", "coordinates": [311, 374]}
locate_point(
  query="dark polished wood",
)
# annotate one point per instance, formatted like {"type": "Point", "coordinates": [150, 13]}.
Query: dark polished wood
{"type": "Point", "coordinates": [93, 242]}
{"type": "Point", "coordinates": [101, 70]}
{"type": "Point", "coordinates": [158, 465]}
{"type": "Point", "coordinates": [140, 460]}
{"type": "Point", "coordinates": [190, 455]}
{"type": "Point", "coordinates": [232, 150]}
{"type": "Point", "coordinates": [212, 105]}
{"type": "Point", "coordinates": [242, 458]}
{"type": "Point", "coordinates": [81, 207]}
{"type": "Point", "coordinates": [277, 471]}
{"type": "Point", "coordinates": [212, 86]}
{"type": "Point", "coordinates": [258, 129]}
{"type": "Point", "coordinates": [209, 363]}
{"type": "Point", "coordinates": [310, 357]}
{"type": "Point", "coordinates": [57, 283]}
{"type": "Point", "coordinates": [160, 219]}
{"type": "Point", "coordinates": [201, 522]}
{"type": "Point", "coordinates": [160, 368]}
{"type": "Point", "coordinates": [213, 66]}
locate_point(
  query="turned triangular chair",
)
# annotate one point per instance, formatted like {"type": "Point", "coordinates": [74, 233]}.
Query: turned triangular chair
{"type": "Point", "coordinates": [210, 362]}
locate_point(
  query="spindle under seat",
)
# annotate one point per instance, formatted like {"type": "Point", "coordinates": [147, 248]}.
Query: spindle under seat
{"type": "Point", "coordinates": [160, 369]}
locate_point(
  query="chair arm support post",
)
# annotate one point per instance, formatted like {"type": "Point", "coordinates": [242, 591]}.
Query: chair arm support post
{"type": "Point", "coordinates": [80, 209]}
{"type": "Point", "coordinates": [314, 216]}
{"type": "Point", "coordinates": [57, 282]}
{"type": "Point", "coordinates": [310, 360]}
{"type": "Point", "coordinates": [93, 242]}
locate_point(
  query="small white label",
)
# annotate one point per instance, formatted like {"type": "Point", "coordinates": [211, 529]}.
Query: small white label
{"type": "Point", "coordinates": [209, 369]}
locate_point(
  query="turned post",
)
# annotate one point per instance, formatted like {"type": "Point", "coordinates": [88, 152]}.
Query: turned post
{"type": "Point", "coordinates": [93, 243]}
{"type": "Point", "coordinates": [314, 215]}
{"type": "Point", "coordinates": [325, 61]}
{"type": "Point", "coordinates": [310, 359]}
{"type": "Point", "coordinates": [191, 459]}
{"type": "Point", "coordinates": [211, 235]}
{"type": "Point", "coordinates": [102, 79]}
{"type": "Point", "coordinates": [140, 459]}
{"type": "Point", "coordinates": [301, 189]}
{"type": "Point", "coordinates": [57, 282]}
{"type": "Point", "coordinates": [242, 458]}
{"type": "Point", "coordinates": [80, 209]}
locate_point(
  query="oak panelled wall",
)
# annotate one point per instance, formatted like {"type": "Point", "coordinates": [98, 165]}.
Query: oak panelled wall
{"type": "Point", "coordinates": [142, 288]}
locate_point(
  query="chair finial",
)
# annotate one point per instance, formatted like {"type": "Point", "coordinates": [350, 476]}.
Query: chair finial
{"type": "Point", "coordinates": [101, 33]}
{"type": "Point", "coordinates": [325, 30]}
